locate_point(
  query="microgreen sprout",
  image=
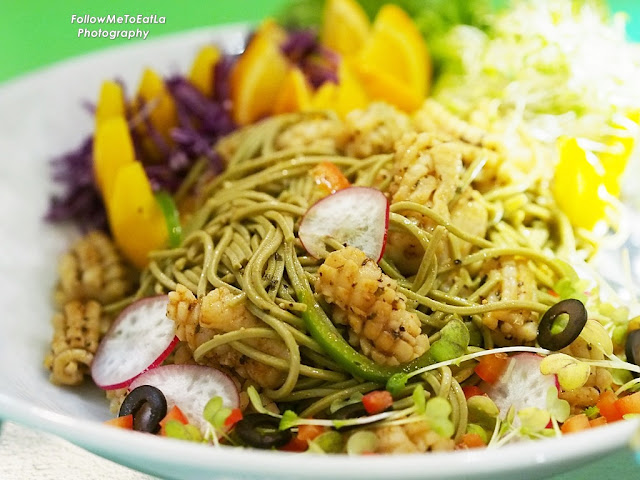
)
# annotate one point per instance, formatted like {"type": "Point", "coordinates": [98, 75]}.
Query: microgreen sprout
{"type": "Point", "coordinates": [361, 442]}
{"type": "Point", "coordinates": [571, 372]}
{"type": "Point", "coordinates": [189, 432]}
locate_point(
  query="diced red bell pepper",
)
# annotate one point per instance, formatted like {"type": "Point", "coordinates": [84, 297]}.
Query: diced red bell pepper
{"type": "Point", "coordinates": [174, 414]}
{"type": "Point", "coordinates": [234, 417]}
{"type": "Point", "coordinates": [472, 391]}
{"type": "Point", "coordinates": [377, 401]}
{"type": "Point", "coordinates": [491, 367]}
{"type": "Point", "coordinates": [126, 422]}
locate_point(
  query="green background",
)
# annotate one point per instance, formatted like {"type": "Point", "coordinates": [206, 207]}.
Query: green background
{"type": "Point", "coordinates": [36, 33]}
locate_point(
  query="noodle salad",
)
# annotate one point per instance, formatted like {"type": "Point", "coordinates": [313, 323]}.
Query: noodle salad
{"type": "Point", "coordinates": [357, 237]}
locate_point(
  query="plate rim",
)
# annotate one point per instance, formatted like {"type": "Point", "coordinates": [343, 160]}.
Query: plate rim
{"type": "Point", "coordinates": [82, 432]}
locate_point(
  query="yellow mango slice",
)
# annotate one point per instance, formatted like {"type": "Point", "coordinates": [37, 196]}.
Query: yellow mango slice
{"type": "Point", "coordinates": [110, 102]}
{"type": "Point", "coordinates": [112, 149]}
{"type": "Point", "coordinates": [257, 76]}
{"type": "Point", "coordinates": [345, 26]}
{"type": "Point", "coordinates": [343, 97]}
{"type": "Point", "coordinates": [294, 94]}
{"type": "Point", "coordinates": [137, 222]}
{"type": "Point", "coordinates": [154, 94]}
{"type": "Point", "coordinates": [578, 184]}
{"type": "Point", "coordinates": [394, 64]}
{"type": "Point", "coordinates": [201, 74]}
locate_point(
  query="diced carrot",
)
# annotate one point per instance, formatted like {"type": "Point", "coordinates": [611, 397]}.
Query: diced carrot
{"type": "Point", "coordinates": [234, 417]}
{"type": "Point", "coordinates": [471, 440]}
{"type": "Point", "coordinates": [575, 424]}
{"type": "Point", "coordinates": [491, 367]}
{"type": "Point", "coordinates": [125, 422]}
{"type": "Point", "coordinates": [329, 177]}
{"type": "Point", "coordinates": [306, 433]}
{"type": "Point", "coordinates": [295, 445]}
{"type": "Point", "coordinates": [596, 422]}
{"type": "Point", "coordinates": [377, 401]}
{"type": "Point", "coordinates": [606, 405]}
{"type": "Point", "coordinates": [174, 414]}
{"type": "Point", "coordinates": [472, 391]}
{"type": "Point", "coordinates": [628, 404]}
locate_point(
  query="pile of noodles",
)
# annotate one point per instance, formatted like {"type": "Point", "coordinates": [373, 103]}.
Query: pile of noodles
{"type": "Point", "coordinates": [242, 235]}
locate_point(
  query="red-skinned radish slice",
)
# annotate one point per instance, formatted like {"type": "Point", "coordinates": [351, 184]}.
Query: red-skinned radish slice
{"type": "Point", "coordinates": [140, 339]}
{"type": "Point", "coordinates": [355, 216]}
{"type": "Point", "coordinates": [521, 385]}
{"type": "Point", "coordinates": [190, 387]}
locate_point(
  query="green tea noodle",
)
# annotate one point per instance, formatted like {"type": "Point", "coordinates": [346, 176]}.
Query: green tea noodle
{"type": "Point", "coordinates": [244, 234]}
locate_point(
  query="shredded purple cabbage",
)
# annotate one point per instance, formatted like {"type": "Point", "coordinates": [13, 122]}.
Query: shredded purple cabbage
{"type": "Point", "coordinates": [80, 200]}
{"type": "Point", "coordinates": [319, 64]}
{"type": "Point", "coordinates": [201, 122]}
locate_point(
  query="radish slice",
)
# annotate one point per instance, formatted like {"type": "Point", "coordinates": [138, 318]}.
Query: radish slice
{"type": "Point", "coordinates": [356, 216]}
{"type": "Point", "coordinates": [521, 385]}
{"type": "Point", "coordinates": [140, 338]}
{"type": "Point", "coordinates": [190, 387]}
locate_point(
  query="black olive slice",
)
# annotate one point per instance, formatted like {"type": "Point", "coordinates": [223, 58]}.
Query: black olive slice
{"type": "Point", "coordinates": [148, 406]}
{"type": "Point", "coordinates": [577, 320]}
{"type": "Point", "coordinates": [353, 410]}
{"type": "Point", "coordinates": [260, 430]}
{"type": "Point", "coordinates": [632, 349]}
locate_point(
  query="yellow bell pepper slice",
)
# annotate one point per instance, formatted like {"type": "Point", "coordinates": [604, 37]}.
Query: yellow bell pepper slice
{"type": "Point", "coordinates": [394, 64]}
{"type": "Point", "coordinates": [152, 92]}
{"type": "Point", "coordinates": [345, 26]}
{"type": "Point", "coordinates": [202, 70]}
{"type": "Point", "coordinates": [110, 102]}
{"type": "Point", "coordinates": [112, 149]}
{"type": "Point", "coordinates": [578, 185]}
{"type": "Point", "coordinates": [294, 94]}
{"type": "Point", "coordinates": [257, 76]}
{"type": "Point", "coordinates": [347, 95]}
{"type": "Point", "coordinates": [619, 149]}
{"type": "Point", "coordinates": [136, 220]}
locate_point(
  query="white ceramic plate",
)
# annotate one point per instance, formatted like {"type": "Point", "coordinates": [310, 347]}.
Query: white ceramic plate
{"type": "Point", "coordinates": [41, 117]}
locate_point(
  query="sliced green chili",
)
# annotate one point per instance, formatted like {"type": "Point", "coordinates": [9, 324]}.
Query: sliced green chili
{"type": "Point", "coordinates": [323, 331]}
{"type": "Point", "coordinates": [171, 216]}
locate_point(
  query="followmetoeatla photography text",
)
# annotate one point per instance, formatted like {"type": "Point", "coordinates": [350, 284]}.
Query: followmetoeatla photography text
{"type": "Point", "coordinates": [95, 26]}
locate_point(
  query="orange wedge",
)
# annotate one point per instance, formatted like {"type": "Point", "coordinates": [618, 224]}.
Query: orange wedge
{"type": "Point", "coordinates": [154, 94]}
{"type": "Point", "coordinates": [110, 102]}
{"type": "Point", "coordinates": [112, 149]}
{"type": "Point", "coordinates": [137, 222]}
{"type": "Point", "coordinates": [201, 74]}
{"type": "Point", "coordinates": [258, 75]}
{"type": "Point", "coordinates": [345, 26]}
{"type": "Point", "coordinates": [394, 64]}
{"type": "Point", "coordinates": [295, 93]}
